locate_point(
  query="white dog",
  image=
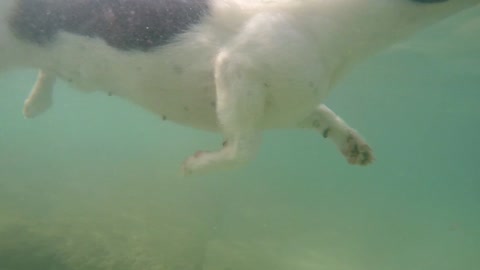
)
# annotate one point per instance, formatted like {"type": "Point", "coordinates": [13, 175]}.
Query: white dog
{"type": "Point", "coordinates": [232, 66]}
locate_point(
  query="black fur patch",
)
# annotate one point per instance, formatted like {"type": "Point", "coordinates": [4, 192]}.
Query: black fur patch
{"type": "Point", "coordinates": [123, 24]}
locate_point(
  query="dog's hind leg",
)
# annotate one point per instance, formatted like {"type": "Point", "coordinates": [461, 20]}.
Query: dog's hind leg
{"type": "Point", "coordinates": [40, 97]}
{"type": "Point", "coordinates": [349, 142]}
{"type": "Point", "coordinates": [240, 108]}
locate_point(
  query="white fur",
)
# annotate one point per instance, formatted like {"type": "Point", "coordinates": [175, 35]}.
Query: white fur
{"type": "Point", "coordinates": [253, 65]}
{"type": "Point", "coordinates": [41, 96]}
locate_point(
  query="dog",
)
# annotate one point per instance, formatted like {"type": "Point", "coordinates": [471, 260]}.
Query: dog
{"type": "Point", "coordinates": [232, 66]}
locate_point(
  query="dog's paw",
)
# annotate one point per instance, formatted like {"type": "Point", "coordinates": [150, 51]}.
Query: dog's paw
{"type": "Point", "coordinates": [356, 150]}
{"type": "Point", "coordinates": [192, 164]}
{"type": "Point", "coordinates": [36, 106]}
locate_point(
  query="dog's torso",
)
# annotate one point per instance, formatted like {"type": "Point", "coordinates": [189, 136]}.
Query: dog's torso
{"type": "Point", "coordinates": [296, 52]}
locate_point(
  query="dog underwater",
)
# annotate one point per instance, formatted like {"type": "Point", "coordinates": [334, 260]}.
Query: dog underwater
{"type": "Point", "coordinates": [237, 67]}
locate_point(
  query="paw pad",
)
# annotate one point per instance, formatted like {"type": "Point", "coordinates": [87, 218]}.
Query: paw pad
{"type": "Point", "coordinates": [357, 151]}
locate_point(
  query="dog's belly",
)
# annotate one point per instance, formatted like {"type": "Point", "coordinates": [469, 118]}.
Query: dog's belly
{"type": "Point", "coordinates": [193, 102]}
{"type": "Point", "coordinates": [189, 106]}
{"type": "Point", "coordinates": [189, 98]}
{"type": "Point", "coordinates": [185, 97]}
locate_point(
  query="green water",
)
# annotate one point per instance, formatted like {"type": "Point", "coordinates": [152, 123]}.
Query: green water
{"type": "Point", "coordinates": [93, 183]}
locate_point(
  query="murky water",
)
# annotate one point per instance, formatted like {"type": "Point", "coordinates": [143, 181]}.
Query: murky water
{"type": "Point", "coordinates": [94, 184]}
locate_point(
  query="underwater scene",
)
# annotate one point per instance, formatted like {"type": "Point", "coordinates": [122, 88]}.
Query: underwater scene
{"type": "Point", "coordinates": [94, 183]}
